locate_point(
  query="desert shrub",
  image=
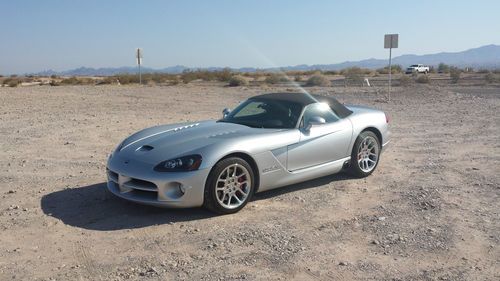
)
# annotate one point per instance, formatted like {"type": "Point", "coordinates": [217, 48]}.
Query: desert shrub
{"type": "Point", "coordinates": [188, 76]}
{"type": "Point", "coordinates": [237, 80]}
{"type": "Point", "coordinates": [297, 78]}
{"type": "Point", "coordinates": [354, 75]}
{"type": "Point", "coordinates": [332, 72]}
{"type": "Point", "coordinates": [455, 74]}
{"type": "Point", "coordinates": [12, 82]}
{"type": "Point", "coordinates": [276, 78]}
{"type": "Point", "coordinates": [483, 70]}
{"type": "Point", "coordinates": [394, 69]}
{"type": "Point", "coordinates": [53, 76]}
{"type": "Point", "coordinates": [318, 80]}
{"type": "Point", "coordinates": [70, 81]}
{"type": "Point", "coordinates": [205, 75]}
{"type": "Point", "coordinates": [496, 71]}
{"type": "Point", "coordinates": [108, 80]}
{"type": "Point", "coordinates": [404, 80]}
{"type": "Point", "coordinates": [443, 68]}
{"type": "Point", "coordinates": [127, 78]}
{"type": "Point", "coordinates": [174, 80]}
{"type": "Point", "coordinates": [491, 78]}
{"type": "Point", "coordinates": [225, 75]}
{"type": "Point", "coordinates": [422, 79]}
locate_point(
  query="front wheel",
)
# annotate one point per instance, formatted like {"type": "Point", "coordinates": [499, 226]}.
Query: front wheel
{"type": "Point", "coordinates": [365, 154]}
{"type": "Point", "coordinates": [230, 186]}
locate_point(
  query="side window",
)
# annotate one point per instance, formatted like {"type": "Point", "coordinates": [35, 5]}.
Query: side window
{"type": "Point", "coordinates": [322, 110]}
{"type": "Point", "coordinates": [252, 108]}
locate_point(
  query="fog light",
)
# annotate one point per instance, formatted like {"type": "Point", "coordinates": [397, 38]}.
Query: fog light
{"type": "Point", "coordinates": [182, 189]}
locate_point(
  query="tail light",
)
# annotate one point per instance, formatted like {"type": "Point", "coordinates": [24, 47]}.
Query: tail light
{"type": "Point", "coordinates": [387, 118]}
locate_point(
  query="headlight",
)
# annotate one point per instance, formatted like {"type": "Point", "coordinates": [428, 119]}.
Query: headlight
{"type": "Point", "coordinates": [181, 164]}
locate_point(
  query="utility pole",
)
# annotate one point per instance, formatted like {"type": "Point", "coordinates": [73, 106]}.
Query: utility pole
{"type": "Point", "coordinates": [390, 41]}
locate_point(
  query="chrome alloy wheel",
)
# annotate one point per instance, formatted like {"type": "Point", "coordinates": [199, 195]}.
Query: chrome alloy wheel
{"type": "Point", "coordinates": [368, 154]}
{"type": "Point", "coordinates": [233, 186]}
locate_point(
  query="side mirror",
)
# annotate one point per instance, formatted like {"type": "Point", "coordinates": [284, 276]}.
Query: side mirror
{"type": "Point", "coordinates": [315, 120]}
{"type": "Point", "coordinates": [225, 112]}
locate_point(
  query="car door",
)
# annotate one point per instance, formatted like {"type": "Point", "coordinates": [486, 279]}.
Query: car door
{"type": "Point", "coordinates": [321, 143]}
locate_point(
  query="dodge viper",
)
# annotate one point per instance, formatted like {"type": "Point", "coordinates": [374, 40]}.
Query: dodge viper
{"type": "Point", "coordinates": [268, 141]}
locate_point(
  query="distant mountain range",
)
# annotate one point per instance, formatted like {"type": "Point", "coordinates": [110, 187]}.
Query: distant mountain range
{"type": "Point", "coordinates": [487, 57]}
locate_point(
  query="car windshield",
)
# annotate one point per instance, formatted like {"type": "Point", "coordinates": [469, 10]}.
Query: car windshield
{"type": "Point", "coordinates": [414, 65]}
{"type": "Point", "coordinates": [265, 113]}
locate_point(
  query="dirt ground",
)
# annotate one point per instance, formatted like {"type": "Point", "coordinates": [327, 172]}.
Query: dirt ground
{"type": "Point", "coordinates": [431, 210]}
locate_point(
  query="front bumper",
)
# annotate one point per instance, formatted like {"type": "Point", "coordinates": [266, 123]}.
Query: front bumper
{"type": "Point", "coordinates": [137, 183]}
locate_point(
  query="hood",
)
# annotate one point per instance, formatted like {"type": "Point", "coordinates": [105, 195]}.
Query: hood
{"type": "Point", "coordinates": [162, 143]}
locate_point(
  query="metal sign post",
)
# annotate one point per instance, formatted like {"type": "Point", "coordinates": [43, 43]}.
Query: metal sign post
{"type": "Point", "coordinates": [390, 41]}
{"type": "Point", "coordinates": [138, 55]}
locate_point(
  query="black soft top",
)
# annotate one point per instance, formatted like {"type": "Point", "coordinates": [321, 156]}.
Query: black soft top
{"type": "Point", "coordinates": [305, 99]}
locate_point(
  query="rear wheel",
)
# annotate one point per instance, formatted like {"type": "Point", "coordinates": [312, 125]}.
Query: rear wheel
{"type": "Point", "coordinates": [365, 154]}
{"type": "Point", "coordinates": [230, 186]}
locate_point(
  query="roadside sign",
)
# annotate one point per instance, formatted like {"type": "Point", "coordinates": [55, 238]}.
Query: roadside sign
{"type": "Point", "coordinates": [391, 41]}
{"type": "Point", "coordinates": [138, 56]}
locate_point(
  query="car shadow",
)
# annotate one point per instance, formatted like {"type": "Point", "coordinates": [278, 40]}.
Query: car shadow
{"type": "Point", "coordinates": [303, 185]}
{"type": "Point", "coordinates": [92, 207]}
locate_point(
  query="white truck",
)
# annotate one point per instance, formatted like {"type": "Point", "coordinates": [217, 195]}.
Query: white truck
{"type": "Point", "coordinates": [417, 68]}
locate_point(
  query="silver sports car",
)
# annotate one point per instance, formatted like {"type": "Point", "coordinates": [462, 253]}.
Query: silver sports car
{"type": "Point", "coordinates": [268, 141]}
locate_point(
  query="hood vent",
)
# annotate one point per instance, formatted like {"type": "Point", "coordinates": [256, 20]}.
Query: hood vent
{"type": "Point", "coordinates": [184, 127]}
{"type": "Point", "coordinates": [145, 148]}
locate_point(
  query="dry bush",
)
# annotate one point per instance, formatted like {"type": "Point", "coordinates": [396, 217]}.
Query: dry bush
{"type": "Point", "coordinates": [12, 82]}
{"type": "Point", "coordinates": [70, 81]}
{"type": "Point", "coordinates": [443, 68]}
{"type": "Point", "coordinates": [127, 78]}
{"type": "Point", "coordinates": [394, 69]}
{"type": "Point", "coordinates": [354, 75]}
{"type": "Point", "coordinates": [275, 78]}
{"type": "Point", "coordinates": [78, 81]}
{"type": "Point", "coordinates": [422, 79]}
{"type": "Point", "coordinates": [455, 74]}
{"type": "Point", "coordinates": [237, 80]}
{"type": "Point", "coordinates": [205, 75]}
{"type": "Point", "coordinates": [108, 81]}
{"type": "Point", "coordinates": [404, 80]}
{"type": "Point", "coordinates": [491, 78]}
{"type": "Point", "coordinates": [332, 72]}
{"type": "Point", "coordinates": [318, 80]}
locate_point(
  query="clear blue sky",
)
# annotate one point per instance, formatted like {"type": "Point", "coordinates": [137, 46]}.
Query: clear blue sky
{"type": "Point", "coordinates": [63, 34]}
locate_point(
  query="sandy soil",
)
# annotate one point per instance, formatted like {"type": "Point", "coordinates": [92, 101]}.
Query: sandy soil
{"type": "Point", "coordinates": [429, 212]}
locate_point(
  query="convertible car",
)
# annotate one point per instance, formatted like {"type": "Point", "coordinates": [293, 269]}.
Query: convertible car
{"type": "Point", "coordinates": [267, 141]}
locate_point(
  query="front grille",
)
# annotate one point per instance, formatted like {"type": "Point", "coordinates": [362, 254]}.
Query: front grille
{"type": "Point", "coordinates": [113, 176]}
{"type": "Point", "coordinates": [140, 184]}
{"type": "Point", "coordinates": [127, 184]}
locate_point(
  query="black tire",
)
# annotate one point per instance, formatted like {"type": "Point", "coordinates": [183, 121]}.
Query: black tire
{"type": "Point", "coordinates": [210, 198]}
{"type": "Point", "coordinates": [354, 166]}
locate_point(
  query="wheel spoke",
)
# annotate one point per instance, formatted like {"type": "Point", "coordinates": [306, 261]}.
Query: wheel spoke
{"type": "Point", "coordinates": [241, 191]}
{"type": "Point", "coordinates": [237, 199]}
